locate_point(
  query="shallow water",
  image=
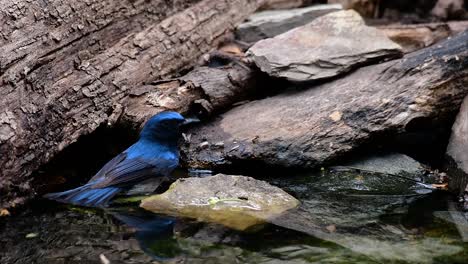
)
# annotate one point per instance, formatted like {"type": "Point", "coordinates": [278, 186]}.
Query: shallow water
{"type": "Point", "coordinates": [343, 218]}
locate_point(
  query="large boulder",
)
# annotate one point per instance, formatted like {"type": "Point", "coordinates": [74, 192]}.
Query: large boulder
{"type": "Point", "coordinates": [267, 24]}
{"type": "Point", "coordinates": [328, 46]}
{"type": "Point", "coordinates": [306, 128]}
{"type": "Point", "coordinates": [238, 202]}
{"type": "Point", "coordinates": [457, 152]}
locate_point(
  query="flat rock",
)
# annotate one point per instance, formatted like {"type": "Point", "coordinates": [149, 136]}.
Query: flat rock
{"type": "Point", "coordinates": [457, 152]}
{"type": "Point", "coordinates": [238, 202]}
{"type": "Point", "coordinates": [392, 163]}
{"type": "Point", "coordinates": [389, 172]}
{"type": "Point", "coordinates": [306, 128]}
{"type": "Point", "coordinates": [328, 46]}
{"type": "Point", "coordinates": [267, 24]}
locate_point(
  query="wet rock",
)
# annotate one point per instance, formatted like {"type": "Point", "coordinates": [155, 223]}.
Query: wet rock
{"type": "Point", "coordinates": [393, 163]}
{"type": "Point", "coordinates": [238, 202]}
{"type": "Point", "coordinates": [328, 46]}
{"type": "Point", "coordinates": [363, 220]}
{"type": "Point", "coordinates": [458, 155]}
{"type": "Point", "coordinates": [385, 173]}
{"type": "Point", "coordinates": [307, 128]}
{"type": "Point", "coordinates": [267, 24]}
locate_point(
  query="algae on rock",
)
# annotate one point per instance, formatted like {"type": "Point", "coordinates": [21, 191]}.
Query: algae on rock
{"type": "Point", "coordinates": [238, 202]}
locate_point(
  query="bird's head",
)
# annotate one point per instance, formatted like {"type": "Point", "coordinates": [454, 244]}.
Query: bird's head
{"type": "Point", "coordinates": [163, 126]}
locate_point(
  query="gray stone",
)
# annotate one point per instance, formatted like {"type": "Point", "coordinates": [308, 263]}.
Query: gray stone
{"type": "Point", "coordinates": [393, 163]}
{"type": "Point", "coordinates": [238, 202]}
{"type": "Point", "coordinates": [328, 46]}
{"type": "Point", "coordinates": [267, 24]}
{"type": "Point", "coordinates": [457, 152]}
{"type": "Point", "coordinates": [348, 215]}
{"type": "Point", "coordinates": [307, 128]}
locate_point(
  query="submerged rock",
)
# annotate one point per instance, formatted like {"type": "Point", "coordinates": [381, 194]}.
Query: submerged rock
{"type": "Point", "coordinates": [457, 152]}
{"type": "Point", "coordinates": [267, 24]}
{"type": "Point", "coordinates": [238, 202]}
{"type": "Point", "coordinates": [392, 163]}
{"type": "Point", "coordinates": [389, 173]}
{"type": "Point", "coordinates": [328, 46]}
{"type": "Point", "coordinates": [376, 221]}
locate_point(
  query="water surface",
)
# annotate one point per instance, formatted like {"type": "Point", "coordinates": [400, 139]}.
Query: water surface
{"type": "Point", "coordinates": [343, 218]}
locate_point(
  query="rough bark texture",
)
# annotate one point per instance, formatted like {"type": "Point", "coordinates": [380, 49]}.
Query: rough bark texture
{"type": "Point", "coordinates": [310, 127]}
{"type": "Point", "coordinates": [67, 67]}
{"type": "Point", "coordinates": [204, 88]}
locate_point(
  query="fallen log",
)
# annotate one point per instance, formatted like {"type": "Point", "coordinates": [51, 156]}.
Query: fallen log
{"type": "Point", "coordinates": [307, 128]}
{"type": "Point", "coordinates": [67, 68]}
{"type": "Point", "coordinates": [202, 89]}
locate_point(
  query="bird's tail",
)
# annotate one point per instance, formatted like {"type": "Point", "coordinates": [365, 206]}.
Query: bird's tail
{"type": "Point", "coordinates": [85, 195]}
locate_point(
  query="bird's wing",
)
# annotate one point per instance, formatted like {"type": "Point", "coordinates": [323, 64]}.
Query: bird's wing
{"type": "Point", "coordinates": [109, 165]}
{"type": "Point", "coordinates": [124, 170]}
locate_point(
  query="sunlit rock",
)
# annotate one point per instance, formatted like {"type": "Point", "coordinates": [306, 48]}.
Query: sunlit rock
{"type": "Point", "coordinates": [267, 24]}
{"type": "Point", "coordinates": [328, 46]}
{"type": "Point", "coordinates": [238, 202]}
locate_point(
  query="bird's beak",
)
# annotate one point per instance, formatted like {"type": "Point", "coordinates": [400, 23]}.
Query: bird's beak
{"type": "Point", "coordinates": [190, 120]}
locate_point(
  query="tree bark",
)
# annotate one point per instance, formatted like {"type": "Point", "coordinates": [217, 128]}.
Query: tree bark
{"type": "Point", "coordinates": [206, 89]}
{"type": "Point", "coordinates": [307, 128]}
{"type": "Point", "coordinates": [66, 67]}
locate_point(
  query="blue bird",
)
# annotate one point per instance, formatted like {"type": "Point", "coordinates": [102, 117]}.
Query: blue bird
{"type": "Point", "coordinates": [155, 154]}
